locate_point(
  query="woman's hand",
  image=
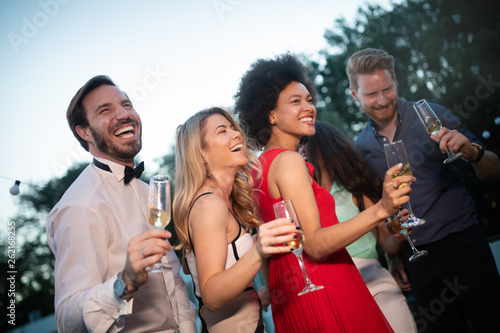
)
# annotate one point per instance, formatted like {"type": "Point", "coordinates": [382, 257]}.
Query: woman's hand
{"type": "Point", "coordinates": [395, 192]}
{"type": "Point", "coordinates": [273, 234]}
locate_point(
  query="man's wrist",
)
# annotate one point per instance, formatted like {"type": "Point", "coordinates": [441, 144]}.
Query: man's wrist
{"type": "Point", "coordinates": [480, 152]}
{"type": "Point", "coordinates": [122, 288]}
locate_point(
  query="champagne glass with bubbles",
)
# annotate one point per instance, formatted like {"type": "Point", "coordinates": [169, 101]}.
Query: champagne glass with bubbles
{"type": "Point", "coordinates": [159, 209]}
{"type": "Point", "coordinates": [395, 153]}
{"type": "Point", "coordinates": [432, 124]}
{"type": "Point", "coordinates": [285, 209]}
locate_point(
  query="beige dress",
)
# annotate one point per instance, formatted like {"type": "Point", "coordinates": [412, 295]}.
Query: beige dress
{"type": "Point", "coordinates": [244, 313]}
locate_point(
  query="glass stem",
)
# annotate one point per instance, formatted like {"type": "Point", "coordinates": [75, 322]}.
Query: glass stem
{"type": "Point", "coordinates": [303, 267]}
{"type": "Point", "coordinates": [405, 233]}
{"type": "Point", "coordinates": [410, 211]}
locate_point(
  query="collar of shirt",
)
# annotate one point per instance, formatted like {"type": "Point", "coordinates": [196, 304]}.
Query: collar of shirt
{"type": "Point", "coordinates": [336, 188]}
{"type": "Point", "coordinates": [117, 170]}
{"type": "Point", "coordinates": [399, 120]}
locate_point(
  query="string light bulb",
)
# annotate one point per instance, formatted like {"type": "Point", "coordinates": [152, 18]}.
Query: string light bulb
{"type": "Point", "coordinates": [14, 190]}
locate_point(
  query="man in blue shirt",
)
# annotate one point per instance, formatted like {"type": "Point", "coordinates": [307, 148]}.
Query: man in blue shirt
{"type": "Point", "coordinates": [451, 283]}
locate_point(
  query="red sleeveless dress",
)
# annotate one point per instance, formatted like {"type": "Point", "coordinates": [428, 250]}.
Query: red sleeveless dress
{"type": "Point", "coordinates": [344, 305]}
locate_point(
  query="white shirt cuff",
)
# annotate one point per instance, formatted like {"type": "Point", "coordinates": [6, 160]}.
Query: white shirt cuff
{"type": "Point", "coordinates": [113, 306]}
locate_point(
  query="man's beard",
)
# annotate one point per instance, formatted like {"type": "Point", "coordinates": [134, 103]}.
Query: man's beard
{"type": "Point", "coordinates": [127, 152]}
{"type": "Point", "coordinates": [388, 116]}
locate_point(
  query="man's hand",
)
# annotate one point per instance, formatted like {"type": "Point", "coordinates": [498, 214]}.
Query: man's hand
{"type": "Point", "coordinates": [396, 268]}
{"type": "Point", "coordinates": [400, 218]}
{"type": "Point", "coordinates": [456, 143]}
{"type": "Point", "coordinates": [144, 250]}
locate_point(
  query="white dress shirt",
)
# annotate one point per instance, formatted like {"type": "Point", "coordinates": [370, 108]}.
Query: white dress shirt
{"type": "Point", "coordinates": [88, 231]}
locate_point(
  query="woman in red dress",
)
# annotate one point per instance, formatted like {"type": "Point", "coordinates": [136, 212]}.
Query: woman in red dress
{"type": "Point", "coordinates": [275, 102]}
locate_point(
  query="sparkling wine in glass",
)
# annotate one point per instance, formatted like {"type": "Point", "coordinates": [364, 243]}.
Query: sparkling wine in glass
{"type": "Point", "coordinates": [285, 209]}
{"type": "Point", "coordinates": [396, 226]}
{"type": "Point", "coordinates": [395, 153]}
{"type": "Point", "coordinates": [159, 209]}
{"type": "Point", "coordinates": [432, 124]}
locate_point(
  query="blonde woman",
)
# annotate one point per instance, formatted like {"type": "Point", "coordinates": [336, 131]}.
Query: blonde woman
{"type": "Point", "coordinates": [213, 214]}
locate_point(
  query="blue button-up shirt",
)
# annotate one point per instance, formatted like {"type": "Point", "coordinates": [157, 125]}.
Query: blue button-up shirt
{"type": "Point", "coordinates": [438, 195]}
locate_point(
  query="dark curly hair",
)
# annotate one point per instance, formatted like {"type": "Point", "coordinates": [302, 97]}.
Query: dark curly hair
{"type": "Point", "coordinates": [344, 163]}
{"type": "Point", "coordinates": [260, 88]}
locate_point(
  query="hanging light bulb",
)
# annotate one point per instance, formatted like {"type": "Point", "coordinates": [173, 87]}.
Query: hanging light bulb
{"type": "Point", "coordinates": [14, 190]}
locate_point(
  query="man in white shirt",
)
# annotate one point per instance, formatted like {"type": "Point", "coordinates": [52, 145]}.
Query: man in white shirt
{"type": "Point", "coordinates": [99, 233]}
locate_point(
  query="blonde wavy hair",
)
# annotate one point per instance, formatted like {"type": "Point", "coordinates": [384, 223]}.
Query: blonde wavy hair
{"type": "Point", "coordinates": [191, 174]}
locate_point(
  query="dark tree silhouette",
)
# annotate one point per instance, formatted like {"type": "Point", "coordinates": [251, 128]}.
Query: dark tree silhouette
{"type": "Point", "coordinates": [445, 52]}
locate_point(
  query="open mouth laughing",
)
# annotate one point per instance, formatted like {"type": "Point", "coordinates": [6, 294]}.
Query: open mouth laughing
{"type": "Point", "coordinates": [238, 147]}
{"type": "Point", "coordinates": [124, 132]}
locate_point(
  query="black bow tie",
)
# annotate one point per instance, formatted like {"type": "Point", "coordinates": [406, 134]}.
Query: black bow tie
{"type": "Point", "coordinates": [133, 172]}
{"type": "Point", "coordinates": [129, 172]}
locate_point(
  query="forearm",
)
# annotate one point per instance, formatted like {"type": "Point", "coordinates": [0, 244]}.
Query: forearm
{"type": "Point", "coordinates": [325, 241]}
{"type": "Point", "coordinates": [225, 286]}
{"type": "Point", "coordinates": [488, 168]}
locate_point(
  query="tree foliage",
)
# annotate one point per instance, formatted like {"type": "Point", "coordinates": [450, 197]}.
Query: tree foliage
{"type": "Point", "coordinates": [445, 51]}
{"type": "Point", "coordinates": [34, 261]}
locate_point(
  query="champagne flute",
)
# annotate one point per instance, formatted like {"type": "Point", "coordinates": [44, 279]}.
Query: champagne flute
{"type": "Point", "coordinates": [395, 153]}
{"type": "Point", "coordinates": [396, 224]}
{"type": "Point", "coordinates": [432, 124]}
{"type": "Point", "coordinates": [159, 209]}
{"type": "Point", "coordinates": [285, 209]}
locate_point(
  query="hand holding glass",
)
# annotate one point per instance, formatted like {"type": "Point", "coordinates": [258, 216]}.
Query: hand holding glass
{"type": "Point", "coordinates": [432, 124]}
{"type": "Point", "coordinates": [395, 225]}
{"type": "Point", "coordinates": [395, 153]}
{"type": "Point", "coordinates": [285, 209]}
{"type": "Point", "coordinates": [159, 209]}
